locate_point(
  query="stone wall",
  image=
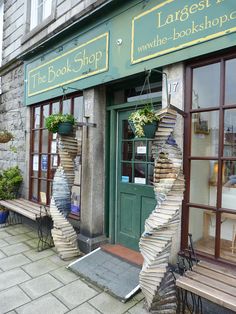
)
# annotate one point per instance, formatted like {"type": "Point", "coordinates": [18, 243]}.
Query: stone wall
{"type": "Point", "coordinates": [13, 118]}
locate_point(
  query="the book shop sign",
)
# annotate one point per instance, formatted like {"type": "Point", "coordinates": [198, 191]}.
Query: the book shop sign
{"type": "Point", "coordinates": [174, 24]}
{"type": "Point", "coordinates": [84, 60]}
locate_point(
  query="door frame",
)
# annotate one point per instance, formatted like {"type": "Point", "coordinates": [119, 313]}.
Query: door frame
{"type": "Point", "coordinates": [111, 163]}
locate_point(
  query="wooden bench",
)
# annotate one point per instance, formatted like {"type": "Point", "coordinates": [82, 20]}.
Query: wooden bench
{"type": "Point", "coordinates": [38, 213]}
{"type": "Point", "coordinates": [209, 281]}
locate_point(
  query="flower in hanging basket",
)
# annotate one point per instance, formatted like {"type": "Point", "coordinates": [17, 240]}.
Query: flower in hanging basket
{"type": "Point", "coordinates": [54, 121]}
{"type": "Point", "coordinates": [5, 136]}
{"type": "Point", "coordinates": [142, 117]}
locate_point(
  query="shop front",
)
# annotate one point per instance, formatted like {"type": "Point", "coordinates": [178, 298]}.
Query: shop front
{"type": "Point", "coordinates": [98, 74]}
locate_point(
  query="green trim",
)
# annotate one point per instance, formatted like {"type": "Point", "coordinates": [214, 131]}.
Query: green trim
{"type": "Point", "coordinates": [133, 104]}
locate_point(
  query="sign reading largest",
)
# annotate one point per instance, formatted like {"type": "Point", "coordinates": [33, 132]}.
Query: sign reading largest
{"type": "Point", "coordinates": [174, 24]}
{"type": "Point", "coordinates": [85, 60]}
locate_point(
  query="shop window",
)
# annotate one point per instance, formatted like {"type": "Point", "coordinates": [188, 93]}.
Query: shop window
{"type": "Point", "coordinates": [210, 163]}
{"type": "Point", "coordinates": [44, 155]}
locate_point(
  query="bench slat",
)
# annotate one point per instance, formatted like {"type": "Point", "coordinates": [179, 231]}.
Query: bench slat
{"type": "Point", "coordinates": [214, 295]}
{"type": "Point", "coordinates": [214, 275]}
{"type": "Point", "coordinates": [224, 287]}
{"type": "Point", "coordinates": [18, 210]}
{"type": "Point", "coordinates": [30, 205]}
{"type": "Point", "coordinates": [218, 268]}
{"type": "Point", "coordinates": [19, 207]}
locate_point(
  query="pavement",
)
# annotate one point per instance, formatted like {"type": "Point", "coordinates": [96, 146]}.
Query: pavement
{"type": "Point", "coordinates": [34, 282]}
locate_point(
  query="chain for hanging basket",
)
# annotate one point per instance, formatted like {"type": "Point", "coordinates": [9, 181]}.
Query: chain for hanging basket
{"type": "Point", "coordinates": [5, 136]}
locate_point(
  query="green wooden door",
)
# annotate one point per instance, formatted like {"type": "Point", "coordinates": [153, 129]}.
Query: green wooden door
{"type": "Point", "coordinates": [135, 195]}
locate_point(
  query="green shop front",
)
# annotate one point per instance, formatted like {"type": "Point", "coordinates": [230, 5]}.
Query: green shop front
{"type": "Point", "coordinates": [99, 74]}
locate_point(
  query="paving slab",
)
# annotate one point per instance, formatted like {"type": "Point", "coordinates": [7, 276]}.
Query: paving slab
{"type": "Point", "coordinates": [4, 234]}
{"type": "Point", "coordinates": [17, 238]}
{"type": "Point", "coordinates": [12, 298]}
{"type": "Point", "coordinates": [3, 243]}
{"type": "Point", "coordinates": [138, 309]}
{"type": "Point", "coordinates": [38, 268]}
{"type": "Point", "coordinates": [35, 255]}
{"type": "Point", "coordinates": [33, 243]}
{"type": "Point", "coordinates": [2, 255]}
{"type": "Point", "coordinates": [57, 260]}
{"type": "Point", "coordinates": [15, 249]}
{"type": "Point", "coordinates": [19, 229]}
{"type": "Point", "coordinates": [84, 309]}
{"type": "Point", "coordinates": [75, 294]}
{"type": "Point", "coordinates": [12, 278]}
{"type": "Point", "coordinates": [106, 304]}
{"type": "Point", "coordinates": [14, 261]}
{"type": "Point", "coordinates": [64, 275]}
{"type": "Point", "coordinates": [45, 305]}
{"type": "Point", "coordinates": [39, 286]}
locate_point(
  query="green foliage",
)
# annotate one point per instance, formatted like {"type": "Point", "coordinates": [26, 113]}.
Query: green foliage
{"type": "Point", "coordinates": [10, 181]}
{"type": "Point", "coordinates": [53, 121]}
{"type": "Point", "coordinates": [141, 117]}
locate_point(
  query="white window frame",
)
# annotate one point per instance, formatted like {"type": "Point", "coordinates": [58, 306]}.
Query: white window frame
{"type": "Point", "coordinates": [49, 15]}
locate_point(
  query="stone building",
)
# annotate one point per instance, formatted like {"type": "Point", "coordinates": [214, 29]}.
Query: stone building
{"type": "Point", "coordinates": [91, 58]}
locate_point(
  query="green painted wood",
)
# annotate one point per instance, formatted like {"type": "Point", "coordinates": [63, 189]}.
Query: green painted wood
{"type": "Point", "coordinates": [134, 201]}
{"type": "Point", "coordinates": [118, 26]}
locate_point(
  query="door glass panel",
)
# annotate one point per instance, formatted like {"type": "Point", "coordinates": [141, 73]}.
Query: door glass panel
{"type": "Point", "coordinates": [205, 134]}
{"type": "Point", "coordinates": [203, 188]}
{"type": "Point", "coordinates": [228, 236]}
{"type": "Point", "coordinates": [229, 185]}
{"type": "Point", "coordinates": [150, 174]}
{"type": "Point", "coordinates": [202, 226]}
{"type": "Point", "coordinates": [206, 86]}
{"type": "Point", "coordinates": [127, 149]}
{"type": "Point", "coordinates": [127, 132]}
{"type": "Point", "coordinates": [140, 148]}
{"type": "Point", "coordinates": [126, 172]}
{"type": "Point", "coordinates": [140, 173]}
{"type": "Point", "coordinates": [66, 106]}
{"type": "Point", "coordinates": [230, 82]}
{"type": "Point", "coordinates": [35, 190]}
{"type": "Point", "coordinates": [230, 133]}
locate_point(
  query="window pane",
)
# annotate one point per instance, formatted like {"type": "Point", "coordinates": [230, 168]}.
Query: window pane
{"type": "Point", "coordinates": [228, 236]}
{"type": "Point", "coordinates": [45, 113]}
{"type": "Point", "coordinates": [36, 141]}
{"type": "Point", "coordinates": [230, 82]}
{"type": "Point", "coordinates": [206, 86]}
{"type": "Point", "coordinates": [43, 186]}
{"type": "Point", "coordinates": [44, 166]}
{"type": "Point", "coordinates": [35, 165]}
{"type": "Point", "coordinates": [229, 185]}
{"type": "Point", "coordinates": [55, 107]}
{"type": "Point", "coordinates": [202, 224]}
{"type": "Point", "coordinates": [205, 134]}
{"type": "Point", "coordinates": [47, 8]}
{"type": "Point", "coordinates": [203, 182]}
{"type": "Point", "coordinates": [78, 108]}
{"type": "Point", "coordinates": [140, 149]}
{"type": "Point", "coordinates": [37, 118]}
{"type": "Point", "coordinates": [126, 172]}
{"type": "Point", "coordinates": [35, 190]}
{"type": "Point", "coordinates": [45, 141]}
{"type": "Point", "coordinates": [230, 133]}
{"type": "Point", "coordinates": [66, 106]}
{"type": "Point", "coordinates": [127, 148]}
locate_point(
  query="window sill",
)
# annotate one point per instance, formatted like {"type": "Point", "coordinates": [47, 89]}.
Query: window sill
{"type": "Point", "coordinates": [38, 28]}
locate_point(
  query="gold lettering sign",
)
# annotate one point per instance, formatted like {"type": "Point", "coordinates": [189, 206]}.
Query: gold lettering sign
{"type": "Point", "coordinates": [85, 60]}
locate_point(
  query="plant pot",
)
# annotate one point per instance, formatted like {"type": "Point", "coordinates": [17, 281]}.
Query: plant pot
{"type": "Point", "coordinates": [150, 129]}
{"type": "Point", "coordinates": [3, 216]}
{"type": "Point", "coordinates": [65, 128]}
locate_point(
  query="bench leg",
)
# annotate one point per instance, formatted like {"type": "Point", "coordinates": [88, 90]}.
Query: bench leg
{"type": "Point", "coordinates": [44, 233]}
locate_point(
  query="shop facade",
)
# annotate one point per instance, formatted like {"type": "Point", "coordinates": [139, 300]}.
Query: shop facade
{"type": "Point", "coordinates": [98, 75]}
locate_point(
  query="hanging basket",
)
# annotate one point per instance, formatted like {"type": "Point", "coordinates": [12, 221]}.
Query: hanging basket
{"type": "Point", "coordinates": [5, 136]}
{"type": "Point", "coordinates": [150, 129]}
{"type": "Point", "coordinates": [65, 128]}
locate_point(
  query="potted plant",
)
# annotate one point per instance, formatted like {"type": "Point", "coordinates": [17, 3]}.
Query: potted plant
{"type": "Point", "coordinates": [144, 122]}
{"type": "Point", "coordinates": [10, 180]}
{"type": "Point", "coordinates": [5, 136]}
{"type": "Point", "coordinates": [60, 123]}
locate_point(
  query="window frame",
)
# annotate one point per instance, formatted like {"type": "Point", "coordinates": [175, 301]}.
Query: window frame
{"type": "Point", "coordinates": [220, 158]}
